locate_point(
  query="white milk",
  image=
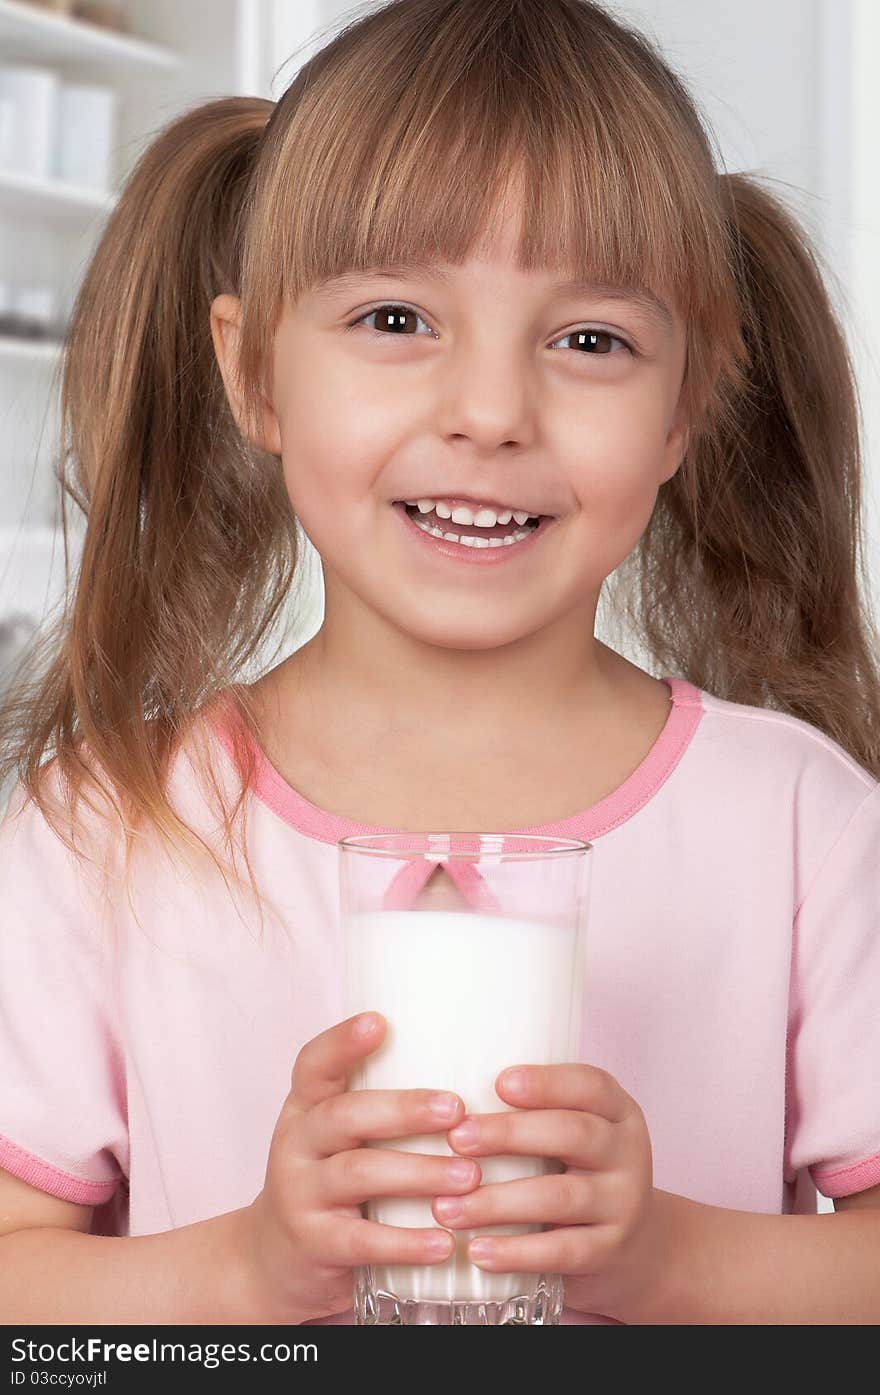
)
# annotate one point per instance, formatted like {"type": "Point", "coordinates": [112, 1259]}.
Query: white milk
{"type": "Point", "coordinates": [465, 995]}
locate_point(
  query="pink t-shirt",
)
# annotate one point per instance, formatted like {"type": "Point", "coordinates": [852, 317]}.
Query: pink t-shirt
{"type": "Point", "coordinates": [732, 981]}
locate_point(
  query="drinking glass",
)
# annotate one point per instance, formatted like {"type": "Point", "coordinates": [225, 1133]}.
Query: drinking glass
{"type": "Point", "coordinates": [471, 945]}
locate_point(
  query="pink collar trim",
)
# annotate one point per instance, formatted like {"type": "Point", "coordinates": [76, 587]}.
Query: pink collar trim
{"type": "Point", "coordinates": [681, 724]}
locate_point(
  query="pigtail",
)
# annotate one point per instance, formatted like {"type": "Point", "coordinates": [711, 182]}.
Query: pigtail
{"type": "Point", "coordinates": [752, 570]}
{"type": "Point", "coordinates": [189, 546]}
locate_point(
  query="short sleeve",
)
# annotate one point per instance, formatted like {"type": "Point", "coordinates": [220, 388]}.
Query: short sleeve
{"type": "Point", "coordinates": [833, 1075]}
{"type": "Point", "coordinates": [63, 1124]}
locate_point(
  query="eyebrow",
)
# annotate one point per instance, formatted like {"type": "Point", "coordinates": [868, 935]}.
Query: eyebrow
{"type": "Point", "coordinates": [640, 297]}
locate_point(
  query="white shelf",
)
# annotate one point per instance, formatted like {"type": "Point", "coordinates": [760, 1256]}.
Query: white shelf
{"type": "Point", "coordinates": [191, 52]}
{"type": "Point", "coordinates": [29, 350]}
{"type": "Point", "coordinates": [31, 196]}
{"type": "Point", "coordinates": [29, 34]}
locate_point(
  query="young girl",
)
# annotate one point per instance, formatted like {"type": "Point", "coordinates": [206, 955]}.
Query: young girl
{"type": "Point", "coordinates": [522, 188]}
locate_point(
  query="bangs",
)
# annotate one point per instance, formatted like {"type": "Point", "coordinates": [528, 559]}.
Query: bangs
{"type": "Point", "coordinates": [461, 108]}
{"type": "Point", "coordinates": [418, 162]}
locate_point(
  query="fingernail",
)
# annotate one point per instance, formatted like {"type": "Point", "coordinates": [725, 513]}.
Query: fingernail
{"type": "Point", "coordinates": [443, 1106]}
{"type": "Point", "coordinates": [481, 1249]}
{"type": "Point", "coordinates": [439, 1244]}
{"type": "Point", "coordinates": [465, 1134]}
{"type": "Point", "coordinates": [449, 1207]}
{"type": "Point", "coordinates": [365, 1024]}
{"type": "Point", "coordinates": [462, 1170]}
{"type": "Point", "coordinates": [514, 1081]}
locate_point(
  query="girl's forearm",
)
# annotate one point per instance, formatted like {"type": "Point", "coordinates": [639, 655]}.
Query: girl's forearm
{"type": "Point", "coordinates": [195, 1274]}
{"type": "Point", "coordinates": [723, 1267]}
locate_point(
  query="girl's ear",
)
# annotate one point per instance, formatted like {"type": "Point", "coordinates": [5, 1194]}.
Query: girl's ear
{"type": "Point", "coordinates": [225, 318]}
{"type": "Point", "coordinates": [676, 442]}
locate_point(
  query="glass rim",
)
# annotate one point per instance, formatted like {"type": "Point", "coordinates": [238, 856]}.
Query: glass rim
{"type": "Point", "coordinates": [561, 847]}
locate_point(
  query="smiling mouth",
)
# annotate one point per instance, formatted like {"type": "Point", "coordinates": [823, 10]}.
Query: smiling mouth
{"type": "Point", "coordinates": [466, 530]}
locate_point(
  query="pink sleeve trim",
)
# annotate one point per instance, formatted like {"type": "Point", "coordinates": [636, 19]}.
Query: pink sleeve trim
{"type": "Point", "coordinates": [50, 1179]}
{"type": "Point", "coordinates": [843, 1181]}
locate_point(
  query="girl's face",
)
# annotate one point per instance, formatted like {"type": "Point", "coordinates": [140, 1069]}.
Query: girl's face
{"type": "Point", "coordinates": [486, 390]}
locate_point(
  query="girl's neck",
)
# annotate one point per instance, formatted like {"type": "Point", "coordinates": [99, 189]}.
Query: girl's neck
{"type": "Point", "coordinates": [351, 766]}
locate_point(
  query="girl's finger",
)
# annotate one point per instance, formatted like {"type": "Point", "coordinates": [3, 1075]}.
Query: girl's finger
{"type": "Point", "coordinates": [572, 1085]}
{"type": "Point", "coordinates": [365, 1173]}
{"type": "Point", "coordinates": [564, 1198]}
{"type": "Point", "coordinates": [345, 1121]}
{"type": "Point", "coordinates": [575, 1138]}
{"type": "Point", "coordinates": [322, 1066]}
{"type": "Point", "coordinates": [567, 1250]}
{"type": "Point", "coordinates": [347, 1241]}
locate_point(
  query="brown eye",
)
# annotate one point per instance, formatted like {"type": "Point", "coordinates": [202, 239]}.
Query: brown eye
{"type": "Point", "coordinates": [586, 340]}
{"type": "Point", "coordinates": [391, 319]}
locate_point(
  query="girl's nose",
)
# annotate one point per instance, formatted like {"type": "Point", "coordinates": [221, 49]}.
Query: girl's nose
{"type": "Point", "coordinates": [492, 404]}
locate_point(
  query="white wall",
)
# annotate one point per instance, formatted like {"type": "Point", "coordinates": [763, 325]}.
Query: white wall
{"type": "Point", "coordinates": [860, 101]}
{"type": "Point", "coordinates": [790, 90]}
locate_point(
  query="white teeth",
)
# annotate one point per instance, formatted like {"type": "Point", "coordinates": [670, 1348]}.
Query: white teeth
{"type": "Point", "coordinates": [470, 541]}
{"type": "Point", "coordinates": [479, 518]}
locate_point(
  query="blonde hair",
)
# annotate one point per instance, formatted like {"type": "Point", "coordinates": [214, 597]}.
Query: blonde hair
{"type": "Point", "coordinates": [394, 143]}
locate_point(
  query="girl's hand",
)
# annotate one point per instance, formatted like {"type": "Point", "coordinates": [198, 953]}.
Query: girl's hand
{"type": "Point", "coordinates": [305, 1230]}
{"type": "Point", "coordinates": [604, 1238]}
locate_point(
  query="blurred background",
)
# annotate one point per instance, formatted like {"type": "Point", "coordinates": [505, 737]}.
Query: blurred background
{"type": "Point", "coordinates": [788, 90]}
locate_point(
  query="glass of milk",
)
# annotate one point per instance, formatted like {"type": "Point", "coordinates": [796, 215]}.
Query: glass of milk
{"type": "Point", "coordinates": [471, 945]}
